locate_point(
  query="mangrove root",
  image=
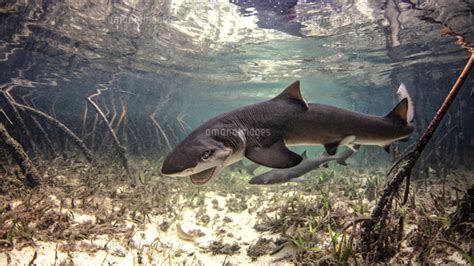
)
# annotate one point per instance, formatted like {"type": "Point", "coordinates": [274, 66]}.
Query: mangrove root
{"type": "Point", "coordinates": [11, 103]}
{"type": "Point", "coordinates": [19, 155]}
{"type": "Point", "coordinates": [120, 148]}
{"type": "Point", "coordinates": [87, 153]}
{"type": "Point", "coordinates": [157, 125]}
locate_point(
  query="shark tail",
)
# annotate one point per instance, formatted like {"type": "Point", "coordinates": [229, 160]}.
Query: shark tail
{"type": "Point", "coordinates": [336, 158]}
{"type": "Point", "coordinates": [346, 154]}
{"type": "Point", "coordinates": [404, 111]}
{"type": "Point", "coordinates": [402, 94]}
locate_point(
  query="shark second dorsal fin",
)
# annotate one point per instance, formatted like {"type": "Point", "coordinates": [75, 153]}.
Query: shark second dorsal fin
{"type": "Point", "coordinates": [400, 112]}
{"type": "Point", "coordinates": [293, 92]}
{"type": "Point", "coordinates": [304, 155]}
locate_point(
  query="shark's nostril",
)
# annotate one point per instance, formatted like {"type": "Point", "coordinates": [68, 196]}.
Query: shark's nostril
{"type": "Point", "coordinates": [169, 167]}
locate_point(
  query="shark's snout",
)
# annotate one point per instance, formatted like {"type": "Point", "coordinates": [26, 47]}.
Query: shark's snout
{"type": "Point", "coordinates": [169, 169]}
{"type": "Point", "coordinates": [174, 166]}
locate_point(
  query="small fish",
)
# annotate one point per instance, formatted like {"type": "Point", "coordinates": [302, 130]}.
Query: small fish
{"type": "Point", "coordinates": [240, 166]}
{"type": "Point", "coordinates": [294, 174]}
{"type": "Point", "coordinates": [182, 234]}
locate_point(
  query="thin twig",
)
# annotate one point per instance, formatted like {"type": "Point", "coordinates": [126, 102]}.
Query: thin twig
{"type": "Point", "coordinates": [120, 148]}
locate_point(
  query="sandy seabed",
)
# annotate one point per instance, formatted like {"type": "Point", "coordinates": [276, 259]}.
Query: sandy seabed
{"type": "Point", "coordinates": [71, 220]}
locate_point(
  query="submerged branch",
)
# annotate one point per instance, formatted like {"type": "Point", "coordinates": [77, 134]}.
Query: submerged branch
{"type": "Point", "coordinates": [122, 114]}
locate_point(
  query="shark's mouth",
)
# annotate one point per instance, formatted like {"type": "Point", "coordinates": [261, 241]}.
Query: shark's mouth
{"type": "Point", "coordinates": [202, 177]}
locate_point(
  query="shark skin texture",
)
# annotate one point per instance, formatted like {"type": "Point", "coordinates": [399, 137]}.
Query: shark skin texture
{"type": "Point", "coordinates": [262, 131]}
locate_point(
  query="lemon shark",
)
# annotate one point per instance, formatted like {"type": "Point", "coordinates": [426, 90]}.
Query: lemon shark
{"type": "Point", "coordinates": [277, 176]}
{"type": "Point", "coordinates": [262, 131]}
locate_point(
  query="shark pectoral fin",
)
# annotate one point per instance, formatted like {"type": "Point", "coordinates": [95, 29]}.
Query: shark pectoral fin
{"type": "Point", "coordinates": [331, 148]}
{"type": "Point", "coordinates": [275, 156]}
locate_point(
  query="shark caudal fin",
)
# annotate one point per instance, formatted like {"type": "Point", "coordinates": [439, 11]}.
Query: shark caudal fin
{"type": "Point", "coordinates": [404, 111]}
{"type": "Point", "coordinates": [402, 93]}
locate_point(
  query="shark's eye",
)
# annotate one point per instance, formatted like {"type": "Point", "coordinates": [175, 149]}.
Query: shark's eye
{"type": "Point", "coordinates": [207, 155]}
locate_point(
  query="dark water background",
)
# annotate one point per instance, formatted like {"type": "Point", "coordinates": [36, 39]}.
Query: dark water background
{"type": "Point", "coordinates": [187, 61]}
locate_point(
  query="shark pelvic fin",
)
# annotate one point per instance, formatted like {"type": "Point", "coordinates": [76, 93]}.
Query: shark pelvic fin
{"type": "Point", "coordinates": [331, 148]}
{"type": "Point", "coordinates": [348, 140]}
{"type": "Point", "coordinates": [400, 112]}
{"type": "Point", "coordinates": [275, 156]}
{"type": "Point", "coordinates": [387, 148]}
{"type": "Point", "coordinates": [293, 92]}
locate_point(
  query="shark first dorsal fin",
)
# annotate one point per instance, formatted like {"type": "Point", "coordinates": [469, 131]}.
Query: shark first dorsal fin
{"type": "Point", "coordinates": [293, 92]}
{"type": "Point", "coordinates": [400, 112]}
